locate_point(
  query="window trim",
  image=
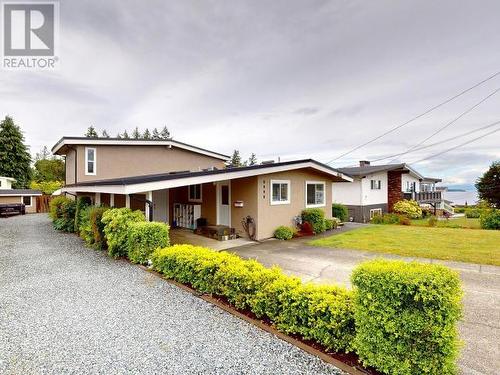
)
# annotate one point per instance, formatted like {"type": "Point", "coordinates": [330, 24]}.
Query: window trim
{"type": "Point", "coordinates": [87, 173]}
{"type": "Point", "coordinates": [373, 210]}
{"type": "Point", "coordinates": [324, 194]}
{"type": "Point", "coordinates": [31, 200]}
{"type": "Point", "coordinates": [289, 190]}
{"type": "Point", "coordinates": [378, 185]}
{"type": "Point", "coordinates": [198, 200]}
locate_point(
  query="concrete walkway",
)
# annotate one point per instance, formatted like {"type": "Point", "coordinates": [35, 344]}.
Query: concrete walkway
{"type": "Point", "coordinates": [479, 329]}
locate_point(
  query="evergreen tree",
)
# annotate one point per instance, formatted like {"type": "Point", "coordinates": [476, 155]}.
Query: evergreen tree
{"type": "Point", "coordinates": [156, 134]}
{"type": "Point", "coordinates": [235, 159]}
{"type": "Point", "coordinates": [165, 134]}
{"type": "Point", "coordinates": [91, 132]}
{"type": "Point", "coordinates": [44, 154]}
{"type": "Point", "coordinates": [125, 135]}
{"type": "Point", "coordinates": [147, 134]}
{"type": "Point", "coordinates": [119, 136]}
{"type": "Point", "coordinates": [488, 186]}
{"type": "Point", "coordinates": [105, 134]}
{"type": "Point", "coordinates": [252, 160]}
{"type": "Point", "coordinates": [14, 156]}
{"type": "Point", "coordinates": [136, 134]}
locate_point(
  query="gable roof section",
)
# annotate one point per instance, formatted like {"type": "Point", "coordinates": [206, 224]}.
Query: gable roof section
{"type": "Point", "coordinates": [370, 169]}
{"type": "Point", "coordinates": [136, 184]}
{"type": "Point", "coordinates": [19, 192]}
{"type": "Point", "coordinates": [134, 142]}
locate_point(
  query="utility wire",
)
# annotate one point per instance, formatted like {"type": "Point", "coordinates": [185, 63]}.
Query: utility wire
{"type": "Point", "coordinates": [450, 123]}
{"type": "Point", "coordinates": [416, 117]}
{"type": "Point", "coordinates": [441, 142]}
{"type": "Point", "coordinates": [455, 147]}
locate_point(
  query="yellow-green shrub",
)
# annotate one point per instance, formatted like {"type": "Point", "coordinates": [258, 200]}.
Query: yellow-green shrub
{"type": "Point", "coordinates": [409, 208]}
{"type": "Point", "coordinates": [62, 212]}
{"type": "Point", "coordinates": [321, 313]}
{"type": "Point", "coordinates": [406, 317]}
{"type": "Point", "coordinates": [116, 225]}
{"type": "Point", "coordinates": [144, 238]}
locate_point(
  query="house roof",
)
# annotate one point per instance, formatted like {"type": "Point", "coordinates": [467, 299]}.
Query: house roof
{"type": "Point", "coordinates": [370, 169]}
{"type": "Point", "coordinates": [432, 179]}
{"type": "Point", "coordinates": [8, 178]}
{"type": "Point", "coordinates": [64, 141]}
{"type": "Point", "coordinates": [19, 192]}
{"type": "Point", "coordinates": [136, 184]}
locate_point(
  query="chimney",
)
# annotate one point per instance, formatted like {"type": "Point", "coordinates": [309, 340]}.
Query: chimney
{"type": "Point", "coordinates": [364, 163]}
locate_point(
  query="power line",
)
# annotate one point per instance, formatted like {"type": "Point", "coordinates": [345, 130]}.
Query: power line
{"type": "Point", "coordinates": [455, 147]}
{"type": "Point", "coordinates": [450, 122]}
{"type": "Point", "coordinates": [441, 142]}
{"type": "Point", "coordinates": [416, 117]}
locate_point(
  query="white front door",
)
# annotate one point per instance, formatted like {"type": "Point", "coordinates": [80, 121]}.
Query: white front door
{"type": "Point", "coordinates": [224, 203]}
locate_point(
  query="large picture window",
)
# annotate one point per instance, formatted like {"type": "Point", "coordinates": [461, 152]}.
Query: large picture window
{"type": "Point", "coordinates": [90, 161]}
{"type": "Point", "coordinates": [315, 194]}
{"type": "Point", "coordinates": [195, 193]}
{"type": "Point", "coordinates": [280, 192]}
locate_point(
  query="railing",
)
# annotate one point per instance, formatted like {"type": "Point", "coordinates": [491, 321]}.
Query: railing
{"type": "Point", "coordinates": [423, 196]}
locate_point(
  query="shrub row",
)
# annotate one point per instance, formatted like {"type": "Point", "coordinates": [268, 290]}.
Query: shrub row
{"type": "Point", "coordinates": [340, 211]}
{"type": "Point", "coordinates": [62, 212]}
{"type": "Point", "coordinates": [408, 208]}
{"type": "Point", "coordinates": [391, 219]}
{"type": "Point", "coordinates": [490, 219]}
{"type": "Point", "coordinates": [324, 314]}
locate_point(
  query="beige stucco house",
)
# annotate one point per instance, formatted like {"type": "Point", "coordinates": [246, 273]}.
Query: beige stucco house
{"type": "Point", "coordinates": [179, 183]}
{"type": "Point", "coordinates": [8, 195]}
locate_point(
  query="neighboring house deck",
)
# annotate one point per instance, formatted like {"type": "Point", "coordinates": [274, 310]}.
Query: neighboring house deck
{"type": "Point", "coordinates": [187, 186]}
{"type": "Point", "coordinates": [376, 188]}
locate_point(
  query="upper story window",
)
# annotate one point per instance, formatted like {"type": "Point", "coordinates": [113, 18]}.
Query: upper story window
{"type": "Point", "coordinates": [195, 193]}
{"type": "Point", "coordinates": [280, 190]}
{"type": "Point", "coordinates": [315, 194]}
{"type": "Point", "coordinates": [375, 184]}
{"type": "Point", "coordinates": [90, 161]}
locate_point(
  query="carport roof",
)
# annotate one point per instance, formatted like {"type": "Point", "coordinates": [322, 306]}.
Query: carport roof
{"type": "Point", "coordinates": [135, 184]}
{"type": "Point", "coordinates": [19, 192]}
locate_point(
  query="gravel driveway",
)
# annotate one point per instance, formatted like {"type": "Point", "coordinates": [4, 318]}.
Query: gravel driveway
{"type": "Point", "coordinates": [68, 309]}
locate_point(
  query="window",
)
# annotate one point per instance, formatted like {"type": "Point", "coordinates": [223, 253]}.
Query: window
{"type": "Point", "coordinates": [280, 192]}
{"type": "Point", "coordinates": [375, 212]}
{"type": "Point", "coordinates": [27, 201]}
{"type": "Point", "coordinates": [195, 193]}
{"type": "Point", "coordinates": [375, 184]}
{"type": "Point", "coordinates": [315, 194]}
{"type": "Point", "coordinates": [90, 161]}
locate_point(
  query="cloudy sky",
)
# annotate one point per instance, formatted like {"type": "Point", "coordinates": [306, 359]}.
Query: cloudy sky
{"type": "Point", "coordinates": [294, 79]}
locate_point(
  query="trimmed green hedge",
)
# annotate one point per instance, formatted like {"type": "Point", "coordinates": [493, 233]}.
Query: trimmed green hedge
{"type": "Point", "coordinates": [144, 238]}
{"type": "Point", "coordinates": [340, 211]}
{"type": "Point", "coordinates": [284, 233]}
{"type": "Point", "coordinates": [315, 217]}
{"type": "Point", "coordinates": [490, 219]}
{"type": "Point", "coordinates": [406, 317]}
{"type": "Point", "coordinates": [116, 226]}
{"type": "Point", "coordinates": [321, 313]}
{"type": "Point", "coordinates": [62, 212]}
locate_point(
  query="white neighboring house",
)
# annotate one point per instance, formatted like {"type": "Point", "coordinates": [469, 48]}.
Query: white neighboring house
{"type": "Point", "coordinates": [376, 188]}
{"type": "Point", "coordinates": [25, 196]}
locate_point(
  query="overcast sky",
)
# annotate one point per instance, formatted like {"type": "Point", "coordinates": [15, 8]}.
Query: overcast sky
{"type": "Point", "coordinates": [294, 79]}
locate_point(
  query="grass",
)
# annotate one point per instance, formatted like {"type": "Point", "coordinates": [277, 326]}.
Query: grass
{"type": "Point", "coordinates": [461, 222]}
{"type": "Point", "coordinates": [472, 246]}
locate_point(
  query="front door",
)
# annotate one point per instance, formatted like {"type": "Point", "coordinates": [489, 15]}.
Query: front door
{"type": "Point", "coordinates": [223, 203]}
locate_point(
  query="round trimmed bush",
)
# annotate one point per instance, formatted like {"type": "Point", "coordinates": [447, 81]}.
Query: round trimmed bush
{"type": "Point", "coordinates": [409, 208]}
{"type": "Point", "coordinates": [340, 211]}
{"type": "Point", "coordinates": [144, 238]}
{"type": "Point", "coordinates": [283, 233]}
{"type": "Point", "coordinates": [490, 219]}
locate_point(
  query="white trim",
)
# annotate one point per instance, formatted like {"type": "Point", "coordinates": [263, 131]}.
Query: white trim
{"type": "Point", "coordinates": [149, 197]}
{"type": "Point", "coordinates": [201, 194]}
{"type": "Point", "coordinates": [373, 210]}
{"type": "Point", "coordinates": [127, 201]}
{"type": "Point", "coordinates": [22, 195]}
{"type": "Point", "coordinates": [111, 200]}
{"type": "Point", "coordinates": [87, 173]}
{"type": "Point", "coordinates": [289, 188]}
{"type": "Point", "coordinates": [31, 200]}
{"type": "Point", "coordinates": [8, 178]}
{"type": "Point", "coordinates": [324, 194]}
{"type": "Point", "coordinates": [183, 181]}
{"type": "Point", "coordinates": [136, 142]}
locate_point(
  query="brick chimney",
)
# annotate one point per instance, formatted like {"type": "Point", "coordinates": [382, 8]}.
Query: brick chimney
{"type": "Point", "coordinates": [364, 163]}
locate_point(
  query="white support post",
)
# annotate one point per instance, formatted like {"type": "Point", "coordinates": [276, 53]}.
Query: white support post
{"type": "Point", "coordinates": [111, 200]}
{"type": "Point", "coordinates": [127, 201]}
{"type": "Point", "coordinates": [149, 197]}
{"type": "Point", "coordinates": [97, 199]}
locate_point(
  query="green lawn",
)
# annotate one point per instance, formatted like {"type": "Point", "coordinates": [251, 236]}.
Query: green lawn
{"type": "Point", "coordinates": [461, 222]}
{"type": "Point", "coordinates": [466, 245]}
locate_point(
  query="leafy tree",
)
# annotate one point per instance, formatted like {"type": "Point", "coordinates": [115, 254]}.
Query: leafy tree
{"type": "Point", "coordinates": [488, 186]}
{"type": "Point", "coordinates": [50, 169]}
{"type": "Point", "coordinates": [135, 133]}
{"type": "Point", "coordinates": [15, 159]}
{"type": "Point", "coordinates": [155, 134]}
{"type": "Point", "coordinates": [235, 159]}
{"type": "Point", "coordinates": [43, 154]}
{"type": "Point", "coordinates": [252, 160]}
{"type": "Point", "coordinates": [47, 187]}
{"type": "Point", "coordinates": [147, 134]}
{"type": "Point", "coordinates": [105, 134]}
{"type": "Point", "coordinates": [91, 132]}
{"type": "Point", "coordinates": [165, 134]}
{"type": "Point", "coordinates": [125, 135]}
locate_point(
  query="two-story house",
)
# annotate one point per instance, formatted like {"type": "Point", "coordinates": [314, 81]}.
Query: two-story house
{"type": "Point", "coordinates": [8, 195]}
{"type": "Point", "coordinates": [376, 188]}
{"type": "Point", "coordinates": [177, 183]}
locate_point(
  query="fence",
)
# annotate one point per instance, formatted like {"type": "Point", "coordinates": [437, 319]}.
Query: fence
{"type": "Point", "coordinates": [42, 203]}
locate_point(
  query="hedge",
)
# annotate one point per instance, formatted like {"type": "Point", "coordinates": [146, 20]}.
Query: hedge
{"type": "Point", "coordinates": [406, 317]}
{"type": "Point", "coordinates": [490, 219]}
{"type": "Point", "coordinates": [284, 233]}
{"type": "Point", "coordinates": [116, 226]}
{"type": "Point", "coordinates": [62, 212]}
{"type": "Point", "coordinates": [321, 313]}
{"type": "Point", "coordinates": [95, 218]}
{"type": "Point", "coordinates": [340, 211]}
{"type": "Point", "coordinates": [409, 208]}
{"type": "Point", "coordinates": [144, 238]}
{"type": "Point", "coordinates": [315, 217]}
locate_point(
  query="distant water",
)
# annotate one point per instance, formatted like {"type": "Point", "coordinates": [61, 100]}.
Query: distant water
{"type": "Point", "coordinates": [460, 197]}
